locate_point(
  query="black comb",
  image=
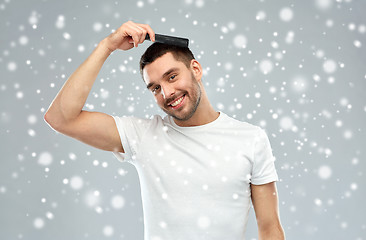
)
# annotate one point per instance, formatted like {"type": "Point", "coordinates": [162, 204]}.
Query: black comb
{"type": "Point", "coordinates": [181, 42]}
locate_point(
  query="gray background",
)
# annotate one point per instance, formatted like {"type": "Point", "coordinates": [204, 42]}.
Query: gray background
{"type": "Point", "coordinates": [301, 76]}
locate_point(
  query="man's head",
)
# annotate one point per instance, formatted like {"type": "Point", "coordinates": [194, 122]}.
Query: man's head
{"type": "Point", "coordinates": [174, 77]}
{"type": "Point", "coordinates": [157, 50]}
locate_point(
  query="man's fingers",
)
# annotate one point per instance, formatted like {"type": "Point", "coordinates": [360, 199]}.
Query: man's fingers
{"type": "Point", "coordinates": [144, 29]}
{"type": "Point", "coordinates": [135, 38]}
{"type": "Point", "coordinates": [143, 34]}
{"type": "Point", "coordinates": [136, 32]}
{"type": "Point", "coordinates": [149, 31]}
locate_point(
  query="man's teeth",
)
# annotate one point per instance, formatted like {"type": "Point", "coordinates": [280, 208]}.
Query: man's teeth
{"type": "Point", "coordinates": [177, 102]}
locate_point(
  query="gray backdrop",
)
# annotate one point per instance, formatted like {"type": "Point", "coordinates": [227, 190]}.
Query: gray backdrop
{"type": "Point", "coordinates": [295, 68]}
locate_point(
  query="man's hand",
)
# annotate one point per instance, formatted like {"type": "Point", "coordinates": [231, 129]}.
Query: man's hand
{"type": "Point", "coordinates": [128, 35]}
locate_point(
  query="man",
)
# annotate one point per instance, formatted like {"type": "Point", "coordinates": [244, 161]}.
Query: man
{"type": "Point", "coordinates": [198, 168]}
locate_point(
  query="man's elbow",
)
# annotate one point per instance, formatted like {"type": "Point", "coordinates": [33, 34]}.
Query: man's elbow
{"type": "Point", "coordinates": [48, 119]}
{"type": "Point", "coordinates": [273, 232]}
{"type": "Point", "coordinates": [53, 122]}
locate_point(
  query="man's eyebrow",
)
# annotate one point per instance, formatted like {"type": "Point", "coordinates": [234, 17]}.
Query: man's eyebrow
{"type": "Point", "coordinates": [149, 85]}
{"type": "Point", "coordinates": [169, 72]}
{"type": "Point", "coordinates": [164, 75]}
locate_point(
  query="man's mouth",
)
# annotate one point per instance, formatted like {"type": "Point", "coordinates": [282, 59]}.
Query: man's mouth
{"type": "Point", "coordinates": [177, 103]}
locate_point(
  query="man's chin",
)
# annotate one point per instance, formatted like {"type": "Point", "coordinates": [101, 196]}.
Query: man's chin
{"type": "Point", "coordinates": [179, 115]}
{"type": "Point", "coordinates": [185, 118]}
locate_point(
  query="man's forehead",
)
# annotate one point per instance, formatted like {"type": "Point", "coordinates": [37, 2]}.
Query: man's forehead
{"type": "Point", "coordinates": [160, 67]}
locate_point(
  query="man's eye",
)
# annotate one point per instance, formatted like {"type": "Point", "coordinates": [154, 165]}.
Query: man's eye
{"type": "Point", "coordinates": [172, 77]}
{"type": "Point", "coordinates": [156, 88]}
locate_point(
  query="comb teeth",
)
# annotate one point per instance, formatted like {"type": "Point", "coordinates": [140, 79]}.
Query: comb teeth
{"type": "Point", "coordinates": [177, 41]}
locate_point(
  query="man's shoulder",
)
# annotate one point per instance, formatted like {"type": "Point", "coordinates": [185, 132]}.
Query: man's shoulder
{"type": "Point", "coordinates": [139, 121]}
{"type": "Point", "coordinates": [234, 122]}
{"type": "Point", "coordinates": [147, 118]}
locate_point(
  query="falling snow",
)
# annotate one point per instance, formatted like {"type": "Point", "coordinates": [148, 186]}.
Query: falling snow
{"type": "Point", "coordinates": [329, 66]}
{"type": "Point", "coordinates": [294, 68]}
{"type": "Point", "coordinates": [108, 231]}
{"type": "Point", "coordinates": [76, 183]}
{"type": "Point", "coordinates": [118, 202]}
{"type": "Point", "coordinates": [45, 159]}
{"type": "Point", "coordinates": [286, 14]}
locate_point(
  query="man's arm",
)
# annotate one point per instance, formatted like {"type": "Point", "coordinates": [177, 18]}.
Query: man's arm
{"type": "Point", "coordinates": [265, 203]}
{"type": "Point", "coordinates": [65, 113]}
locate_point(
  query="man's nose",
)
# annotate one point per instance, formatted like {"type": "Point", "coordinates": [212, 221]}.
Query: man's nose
{"type": "Point", "coordinates": [167, 91]}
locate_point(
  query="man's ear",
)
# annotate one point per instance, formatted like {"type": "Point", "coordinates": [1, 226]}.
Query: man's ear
{"type": "Point", "coordinates": [196, 69]}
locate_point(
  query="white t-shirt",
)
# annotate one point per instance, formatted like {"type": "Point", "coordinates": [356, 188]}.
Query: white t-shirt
{"type": "Point", "coordinates": [195, 181]}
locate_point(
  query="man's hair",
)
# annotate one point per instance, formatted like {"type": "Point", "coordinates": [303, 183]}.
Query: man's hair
{"type": "Point", "coordinates": [157, 50]}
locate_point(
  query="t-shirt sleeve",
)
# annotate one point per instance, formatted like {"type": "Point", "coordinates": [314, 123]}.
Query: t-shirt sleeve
{"type": "Point", "coordinates": [263, 170]}
{"type": "Point", "coordinates": [131, 131]}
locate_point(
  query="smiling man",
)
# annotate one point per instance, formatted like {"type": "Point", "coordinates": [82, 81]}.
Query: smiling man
{"type": "Point", "coordinates": [174, 84]}
{"type": "Point", "coordinates": [199, 169]}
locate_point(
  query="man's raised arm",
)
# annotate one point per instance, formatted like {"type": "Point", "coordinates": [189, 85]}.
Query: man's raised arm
{"type": "Point", "coordinates": [65, 113]}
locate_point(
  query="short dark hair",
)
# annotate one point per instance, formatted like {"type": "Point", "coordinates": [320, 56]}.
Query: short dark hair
{"type": "Point", "coordinates": [157, 50]}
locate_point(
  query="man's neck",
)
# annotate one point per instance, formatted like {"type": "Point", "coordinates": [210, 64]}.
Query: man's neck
{"type": "Point", "coordinates": [204, 114]}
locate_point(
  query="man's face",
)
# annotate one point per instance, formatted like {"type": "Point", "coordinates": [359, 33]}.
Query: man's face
{"type": "Point", "coordinates": [174, 86]}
